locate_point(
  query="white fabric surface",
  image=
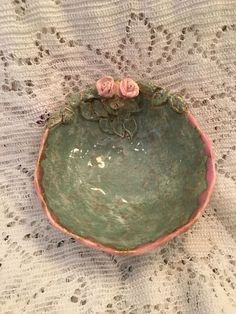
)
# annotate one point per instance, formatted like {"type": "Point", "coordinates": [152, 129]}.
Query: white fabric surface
{"type": "Point", "coordinates": [50, 48]}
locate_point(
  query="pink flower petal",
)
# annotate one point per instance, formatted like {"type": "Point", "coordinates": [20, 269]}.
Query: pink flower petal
{"type": "Point", "coordinates": [129, 88]}
{"type": "Point", "coordinates": [106, 87]}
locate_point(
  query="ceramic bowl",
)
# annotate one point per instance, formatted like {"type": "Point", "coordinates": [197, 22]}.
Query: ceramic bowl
{"type": "Point", "coordinates": [123, 182]}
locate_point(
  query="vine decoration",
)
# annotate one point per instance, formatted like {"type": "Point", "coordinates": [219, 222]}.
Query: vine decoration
{"type": "Point", "coordinates": [114, 104]}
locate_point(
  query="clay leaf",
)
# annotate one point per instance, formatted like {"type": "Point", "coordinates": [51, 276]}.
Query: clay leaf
{"type": "Point", "coordinates": [99, 109]}
{"type": "Point", "coordinates": [118, 127]}
{"type": "Point", "coordinates": [87, 111]}
{"type": "Point", "coordinates": [105, 125]}
{"type": "Point", "coordinates": [130, 126]}
{"type": "Point", "coordinates": [178, 104]}
{"type": "Point", "coordinates": [159, 97]}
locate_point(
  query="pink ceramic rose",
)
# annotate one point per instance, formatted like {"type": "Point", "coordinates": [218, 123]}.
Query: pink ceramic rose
{"type": "Point", "coordinates": [106, 87]}
{"type": "Point", "coordinates": [129, 88]}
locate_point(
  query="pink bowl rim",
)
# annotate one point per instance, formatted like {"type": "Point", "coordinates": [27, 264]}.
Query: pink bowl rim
{"type": "Point", "coordinates": [204, 198]}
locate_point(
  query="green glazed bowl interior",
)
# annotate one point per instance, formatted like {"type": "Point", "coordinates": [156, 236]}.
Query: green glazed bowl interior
{"type": "Point", "coordinates": [125, 195]}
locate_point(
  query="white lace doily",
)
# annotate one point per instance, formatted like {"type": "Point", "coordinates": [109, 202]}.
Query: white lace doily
{"type": "Point", "coordinates": [52, 48]}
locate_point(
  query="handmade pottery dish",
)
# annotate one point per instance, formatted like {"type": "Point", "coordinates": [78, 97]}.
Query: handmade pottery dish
{"type": "Point", "coordinates": [124, 167]}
